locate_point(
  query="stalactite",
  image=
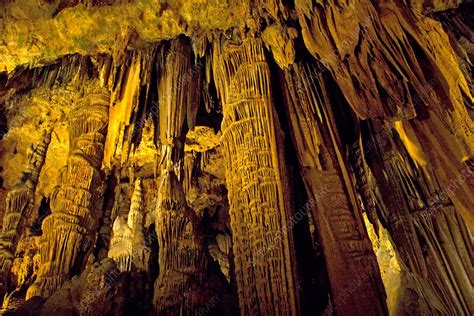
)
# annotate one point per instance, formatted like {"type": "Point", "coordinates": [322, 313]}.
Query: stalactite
{"type": "Point", "coordinates": [70, 231]}
{"type": "Point", "coordinates": [174, 80]}
{"type": "Point", "coordinates": [419, 215]}
{"type": "Point", "coordinates": [338, 218]}
{"type": "Point", "coordinates": [175, 94]}
{"type": "Point", "coordinates": [127, 246]}
{"type": "Point", "coordinates": [19, 205]}
{"type": "Point", "coordinates": [124, 102]}
{"type": "Point", "coordinates": [179, 288]}
{"type": "Point", "coordinates": [220, 251]}
{"type": "Point", "coordinates": [399, 65]}
{"type": "Point", "coordinates": [259, 209]}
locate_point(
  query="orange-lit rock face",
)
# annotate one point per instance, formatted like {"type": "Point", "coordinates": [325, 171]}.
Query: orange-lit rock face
{"type": "Point", "coordinates": [236, 158]}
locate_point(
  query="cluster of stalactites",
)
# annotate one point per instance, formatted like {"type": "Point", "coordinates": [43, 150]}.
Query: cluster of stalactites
{"type": "Point", "coordinates": [399, 66]}
{"type": "Point", "coordinates": [127, 246]}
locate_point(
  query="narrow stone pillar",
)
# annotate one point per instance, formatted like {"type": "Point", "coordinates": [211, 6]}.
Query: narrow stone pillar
{"type": "Point", "coordinates": [19, 205]}
{"type": "Point", "coordinates": [183, 262]}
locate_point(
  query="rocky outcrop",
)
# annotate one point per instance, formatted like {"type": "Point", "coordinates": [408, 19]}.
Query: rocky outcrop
{"type": "Point", "coordinates": [69, 232]}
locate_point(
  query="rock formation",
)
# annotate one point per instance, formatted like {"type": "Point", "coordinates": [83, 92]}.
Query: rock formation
{"type": "Point", "coordinates": [127, 246]}
{"type": "Point", "coordinates": [20, 202]}
{"type": "Point", "coordinates": [259, 209]}
{"type": "Point", "coordinates": [69, 232]}
{"type": "Point", "coordinates": [236, 157]}
{"type": "Point", "coordinates": [336, 213]}
{"type": "Point", "coordinates": [179, 287]}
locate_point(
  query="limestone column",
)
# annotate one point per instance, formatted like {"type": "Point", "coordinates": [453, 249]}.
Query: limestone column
{"type": "Point", "coordinates": [354, 277]}
{"type": "Point", "coordinates": [76, 202]}
{"type": "Point", "coordinates": [255, 175]}
{"type": "Point", "coordinates": [183, 262]}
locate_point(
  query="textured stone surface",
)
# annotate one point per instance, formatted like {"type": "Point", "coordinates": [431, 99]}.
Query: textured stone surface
{"type": "Point", "coordinates": [69, 232]}
{"type": "Point", "coordinates": [236, 157]}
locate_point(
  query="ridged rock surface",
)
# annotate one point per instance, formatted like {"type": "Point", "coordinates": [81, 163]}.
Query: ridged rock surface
{"type": "Point", "coordinates": [236, 157]}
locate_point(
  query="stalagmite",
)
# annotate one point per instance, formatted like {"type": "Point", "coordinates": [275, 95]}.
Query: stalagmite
{"type": "Point", "coordinates": [183, 263]}
{"type": "Point", "coordinates": [70, 231]}
{"type": "Point", "coordinates": [335, 210]}
{"type": "Point", "coordinates": [259, 209]}
{"type": "Point", "coordinates": [127, 246]}
{"type": "Point", "coordinates": [19, 205]}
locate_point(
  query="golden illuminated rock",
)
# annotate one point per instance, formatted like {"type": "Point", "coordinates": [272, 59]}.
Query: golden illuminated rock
{"type": "Point", "coordinates": [236, 157]}
{"type": "Point", "coordinates": [19, 205]}
{"type": "Point", "coordinates": [69, 232]}
{"type": "Point", "coordinates": [259, 210]}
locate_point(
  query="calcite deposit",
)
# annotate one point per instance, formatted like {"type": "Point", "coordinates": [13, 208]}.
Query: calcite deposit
{"type": "Point", "coordinates": [187, 157]}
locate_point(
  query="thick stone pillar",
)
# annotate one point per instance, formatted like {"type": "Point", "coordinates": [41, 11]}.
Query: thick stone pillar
{"type": "Point", "coordinates": [76, 203]}
{"type": "Point", "coordinates": [255, 175]}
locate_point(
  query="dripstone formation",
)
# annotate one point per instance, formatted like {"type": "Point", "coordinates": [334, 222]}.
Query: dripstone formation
{"type": "Point", "coordinates": [236, 158]}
